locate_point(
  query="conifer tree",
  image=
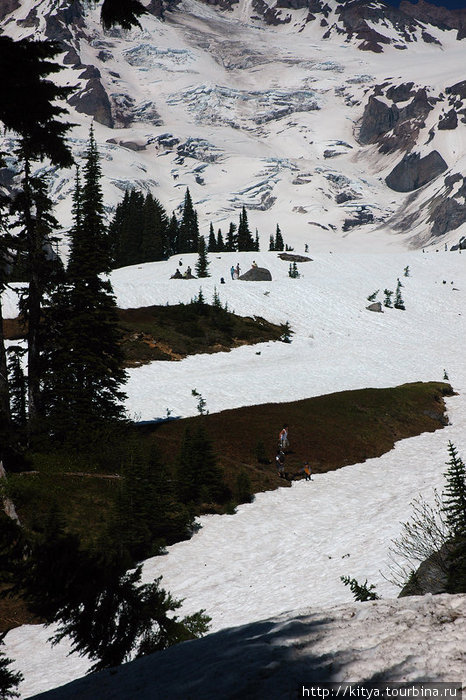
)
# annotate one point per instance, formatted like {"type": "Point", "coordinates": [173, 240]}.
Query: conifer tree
{"type": "Point", "coordinates": [256, 242]}
{"type": "Point", "coordinates": [9, 680]}
{"type": "Point", "coordinates": [17, 384]}
{"type": "Point", "coordinates": [199, 477]}
{"type": "Point", "coordinates": [33, 209]}
{"type": "Point", "coordinates": [154, 244]}
{"type": "Point", "coordinates": [232, 238]}
{"type": "Point", "coordinates": [388, 298]}
{"type": "Point", "coordinates": [212, 244]}
{"type": "Point", "coordinates": [220, 241]}
{"type": "Point", "coordinates": [454, 496]}
{"type": "Point", "coordinates": [202, 264]}
{"type": "Point", "coordinates": [279, 245]}
{"type": "Point", "coordinates": [83, 360]}
{"type": "Point", "coordinates": [244, 238]}
{"type": "Point", "coordinates": [173, 246]}
{"type": "Point", "coordinates": [271, 242]}
{"type": "Point", "coordinates": [399, 303]}
{"type": "Point", "coordinates": [188, 235]}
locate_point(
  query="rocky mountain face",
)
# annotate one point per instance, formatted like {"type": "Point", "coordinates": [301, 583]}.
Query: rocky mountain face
{"type": "Point", "coordinates": [325, 116]}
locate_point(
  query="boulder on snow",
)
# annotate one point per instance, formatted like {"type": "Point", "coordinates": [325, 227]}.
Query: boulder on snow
{"type": "Point", "coordinates": [413, 171]}
{"type": "Point", "coordinates": [376, 306]}
{"type": "Point", "coordinates": [292, 257]}
{"type": "Point", "coordinates": [448, 121]}
{"type": "Point", "coordinates": [256, 274]}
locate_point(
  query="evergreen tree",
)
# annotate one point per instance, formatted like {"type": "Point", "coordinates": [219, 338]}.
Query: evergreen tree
{"type": "Point", "coordinates": [279, 245]}
{"type": "Point", "coordinates": [173, 236]}
{"type": "Point", "coordinates": [199, 480]}
{"type": "Point", "coordinates": [105, 612]}
{"type": "Point", "coordinates": [271, 242]}
{"type": "Point", "coordinates": [256, 242]}
{"type": "Point", "coordinates": [399, 303]}
{"type": "Point", "coordinates": [17, 383]}
{"type": "Point", "coordinates": [83, 357]}
{"type": "Point", "coordinates": [9, 680]}
{"type": "Point", "coordinates": [454, 496]}
{"type": "Point", "coordinates": [232, 238]}
{"type": "Point", "coordinates": [202, 264]}
{"type": "Point", "coordinates": [212, 244]}
{"type": "Point", "coordinates": [154, 245]}
{"type": "Point", "coordinates": [388, 298]}
{"type": "Point", "coordinates": [188, 236]}
{"type": "Point", "coordinates": [220, 241]}
{"type": "Point", "coordinates": [244, 238]}
{"type": "Point", "coordinates": [32, 208]}
{"type": "Point", "coordinates": [361, 592]}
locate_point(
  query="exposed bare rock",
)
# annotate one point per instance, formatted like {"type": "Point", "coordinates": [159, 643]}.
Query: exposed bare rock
{"type": "Point", "coordinates": [93, 100]}
{"type": "Point", "coordinates": [377, 119]}
{"type": "Point", "coordinates": [448, 120]}
{"type": "Point", "coordinates": [400, 93]}
{"type": "Point", "coordinates": [458, 89]}
{"type": "Point", "coordinates": [292, 257]}
{"type": "Point", "coordinates": [438, 16]}
{"type": "Point", "coordinates": [447, 216]}
{"type": "Point", "coordinates": [8, 6]}
{"type": "Point", "coordinates": [413, 171]}
{"type": "Point", "coordinates": [376, 306]}
{"type": "Point", "coordinates": [256, 274]}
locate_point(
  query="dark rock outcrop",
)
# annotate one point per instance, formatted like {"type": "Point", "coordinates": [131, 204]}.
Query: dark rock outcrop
{"type": "Point", "coordinates": [292, 257]}
{"type": "Point", "coordinates": [448, 120]}
{"type": "Point", "coordinates": [458, 89]}
{"type": "Point", "coordinates": [400, 93]}
{"type": "Point", "coordinates": [413, 171]}
{"type": "Point", "coordinates": [378, 118]}
{"type": "Point", "coordinates": [431, 576]}
{"type": "Point", "coordinates": [8, 6]}
{"type": "Point", "coordinates": [447, 216]}
{"type": "Point", "coordinates": [93, 99]}
{"type": "Point", "coordinates": [256, 274]}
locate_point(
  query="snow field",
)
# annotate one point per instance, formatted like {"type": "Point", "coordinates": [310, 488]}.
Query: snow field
{"type": "Point", "coordinates": [289, 547]}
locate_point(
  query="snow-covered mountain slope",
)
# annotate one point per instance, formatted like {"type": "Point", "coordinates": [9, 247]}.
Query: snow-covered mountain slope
{"type": "Point", "coordinates": [409, 640]}
{"type": "Point", "coordinates": [301, 127]}
{"type": "Point", "coordinates": [290, 547]}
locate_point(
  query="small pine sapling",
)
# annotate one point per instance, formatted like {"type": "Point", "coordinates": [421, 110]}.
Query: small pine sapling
{"type": "Point", "coordinates": [388, 298]}
{"type": "Point", "coordinates": [360, 591]}
{"type": "Point", "coordinates": [201, 403]}
{"type": "Point", "coordinates": [372, 296]}
{"type": "Point", "coordinates": [445, 375]}
{"type": "Point", "coordinates": [286, 333]}
{"type": "Point", "coordinates": [406, 271]}
{"type": "Point", "coordinates": [216, 299]}
{"type": "Point", "coordinates": [399, 303]}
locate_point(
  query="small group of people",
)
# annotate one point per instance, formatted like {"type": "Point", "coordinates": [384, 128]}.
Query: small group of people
{"type": "Point", "coordinates": [283, 445]}
{"type": "Point", "coordinates": [235, 271]}
{"type": "Point", "coordinates": [188, 273]}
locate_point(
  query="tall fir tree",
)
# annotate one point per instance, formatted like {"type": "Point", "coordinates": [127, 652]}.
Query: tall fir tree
{"type": "Point", "coordinates": [271, 242]}
{"type": "Point", "coordinates": [232, 238]}
{"type": "Point", "coordinates": [202, 264]}
{"type": "Point", "coordinates": [245, 240]}
{"type": "Point", "coordinates": [33, 210]}
{"type": "Point", "coordinates": [212, 244]}
{"type": "Point", "coordinates": [454, 495]}
{"type": "Point", "coordinates": [18, 389]}
{"type": "Point", "coordinates": [279, 245]}
{"type": "Point", "coordinates": [154, 245]}
{"type": "Point", "coordinates": [188, 235]}
{"type": "Point", "coordinates": [220, 241]}
{"type": "Point", "coordinates": [83, 359]}
{"type": "Point", "coordinates": [256, 242]}
{"type": "Point", "coordinates": [173, 236]}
